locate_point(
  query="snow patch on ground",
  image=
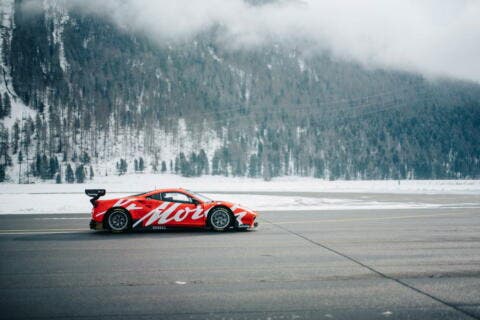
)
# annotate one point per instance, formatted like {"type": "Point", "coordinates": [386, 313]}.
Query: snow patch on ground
{"type": "Point", "coordinates": [135, 183]}
{"type": "Point", "coordinates": [19, 112]}
{"type": "Point", "coordinates": [70, 198]}
{"type": "Point", "coordinates": [78, 203]}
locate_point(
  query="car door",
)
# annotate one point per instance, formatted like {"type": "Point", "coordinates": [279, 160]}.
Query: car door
{"type": "Point", "coordinates": [181, 210]}
{"type": "Point", "coordinates": [153, 206]}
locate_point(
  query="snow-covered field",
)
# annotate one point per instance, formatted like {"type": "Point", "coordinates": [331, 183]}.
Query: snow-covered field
{"type": "Point", "coordinates": [143, 182]}
{"type": "Point", "coordinates": [78, 203]}
{"type": "Point", "coordinates": [70, 198]}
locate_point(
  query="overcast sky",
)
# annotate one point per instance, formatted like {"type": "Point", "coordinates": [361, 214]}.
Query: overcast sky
{"type": "Point", "coordinates": [433, 37]}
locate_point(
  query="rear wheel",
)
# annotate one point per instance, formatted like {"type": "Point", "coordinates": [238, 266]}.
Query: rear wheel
{"type": "Point", "coordinates": [119, 220]}
{"type": "Point", "coordinates": [220, 219]}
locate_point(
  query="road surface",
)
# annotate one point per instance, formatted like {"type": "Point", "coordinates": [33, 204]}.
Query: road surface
{"type": "Point", "coordinates": [377, 264]}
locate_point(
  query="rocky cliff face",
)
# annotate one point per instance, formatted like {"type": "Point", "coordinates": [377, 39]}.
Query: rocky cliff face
{"type": "Point", "coordinates": [84, 93]}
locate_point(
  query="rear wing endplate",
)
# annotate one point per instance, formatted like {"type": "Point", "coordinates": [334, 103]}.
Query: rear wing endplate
{"type": "Point", "coordinates": [95, 194]}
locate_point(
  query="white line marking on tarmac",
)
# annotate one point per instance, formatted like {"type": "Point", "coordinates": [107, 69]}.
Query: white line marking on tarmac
{"type": "Point", "coordinates": [418, 216]}
{"type": "Point", "coordinates": [41, 231]}
{"type": "Point", "coordinates": [61, 218]}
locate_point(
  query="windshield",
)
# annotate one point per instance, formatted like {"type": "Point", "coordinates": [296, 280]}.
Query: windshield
{"type": "Point", "coordinates": [201, 197]}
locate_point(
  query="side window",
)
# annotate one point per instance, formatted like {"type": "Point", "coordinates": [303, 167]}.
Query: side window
{"type": "Point", "coordinates": [156, 196]}
{"type": "Point", "coordinates": [176, 197]}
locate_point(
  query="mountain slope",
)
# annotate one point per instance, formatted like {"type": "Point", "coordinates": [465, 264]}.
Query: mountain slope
{"type": "Point", "coordinates": [98, 94]}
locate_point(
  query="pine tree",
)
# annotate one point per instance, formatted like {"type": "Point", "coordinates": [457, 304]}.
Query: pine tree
{"type": "Point", "coordinates": [155, 164]}
{"type": "Point", "coordinates": [319, 168]}
{"type": "Point", "coordinates": [36, 167]}
{"type": "Point", "coordinates": [177, 165]}
{"type": "Point", "coordinates": [44, 168]}
{"type": "Point", "coordinates": [164, 166]}
{"type": "Point", "coordinates": [84, 158]}
{"type": "Point", "coordinates": [2, 173]}
{"type": "Point", "coordinates": [53, 167]}
{"type": "Point", "coordinates": [184, 165]}
{"type": "Point", "coordinates": [15, 137]}
{"type": "Point", "coordinates": [58, 178]}
{"type": "Point", "coordinates": [135, 165]}
{"type": "Point", "coordinates": [141, 165]}
{"type": "Point", "coordinates": [7, 105]}
{"type": "Point", "coordinates": [80, 174]}
{"type": "Point", "coordinates": [2, 111]}
{"type": "Point", "coordinates": [203, 162]}
{"type": "Point", "coordinates": [266, 169]}
{"type": "Point", "coordinates": [193, 167]}
{"type": "Point", "coordinates": [91, 173]}
{"type": "Point", "coordinates": [252, 166]}
{"type": "Point", "coordinates": [20, 162]}
{"type": "Point", "coordinates": [69, 176]}
{"type": "Point", "coordinates": [215, 164]}
{"type": "Point", "coordinates": [6, 48]}
{"type": "Point", "coordinates": [122, 167]}
{"type": "Point", "coordinates": [5, 159]}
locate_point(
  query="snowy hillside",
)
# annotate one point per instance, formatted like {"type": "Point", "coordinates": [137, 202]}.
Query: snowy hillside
{"type": "Point", "coordinates": [83, 98]}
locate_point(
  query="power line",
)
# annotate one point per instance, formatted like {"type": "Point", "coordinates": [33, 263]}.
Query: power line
{"type": "Point", "coordinates": [330, 103]}
{"type": "Point", "coordinates": [331, 110]}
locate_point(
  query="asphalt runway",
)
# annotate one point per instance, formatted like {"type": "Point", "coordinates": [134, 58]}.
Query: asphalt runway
{"type": "Point", "coordinates": [377, 264]}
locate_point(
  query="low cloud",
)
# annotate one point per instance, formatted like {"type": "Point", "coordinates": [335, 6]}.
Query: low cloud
{"type": "Point", "coordinates": [435, 38]}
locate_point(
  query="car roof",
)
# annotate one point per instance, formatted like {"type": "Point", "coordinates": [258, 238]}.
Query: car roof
{"type": "Point", "coordinates": [167, 190]}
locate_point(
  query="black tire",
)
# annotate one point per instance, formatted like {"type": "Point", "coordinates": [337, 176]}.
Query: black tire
{"type": "Point", "coordinates": [118, 220]}
{"type": "Point", "coordinates": [220, 219]}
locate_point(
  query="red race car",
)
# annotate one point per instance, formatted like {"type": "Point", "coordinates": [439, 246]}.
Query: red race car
{"type": "Point", "coordinates": [165, 208]}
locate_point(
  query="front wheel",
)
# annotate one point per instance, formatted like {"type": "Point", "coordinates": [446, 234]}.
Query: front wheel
{"type": "Point", "coordinates": [220, 219]}
{"type": "Point", "coordinates": [118, 220]}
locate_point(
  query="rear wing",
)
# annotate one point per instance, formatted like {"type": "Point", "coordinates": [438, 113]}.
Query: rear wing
{"type": "Point", "coordinates": [95, 194]}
